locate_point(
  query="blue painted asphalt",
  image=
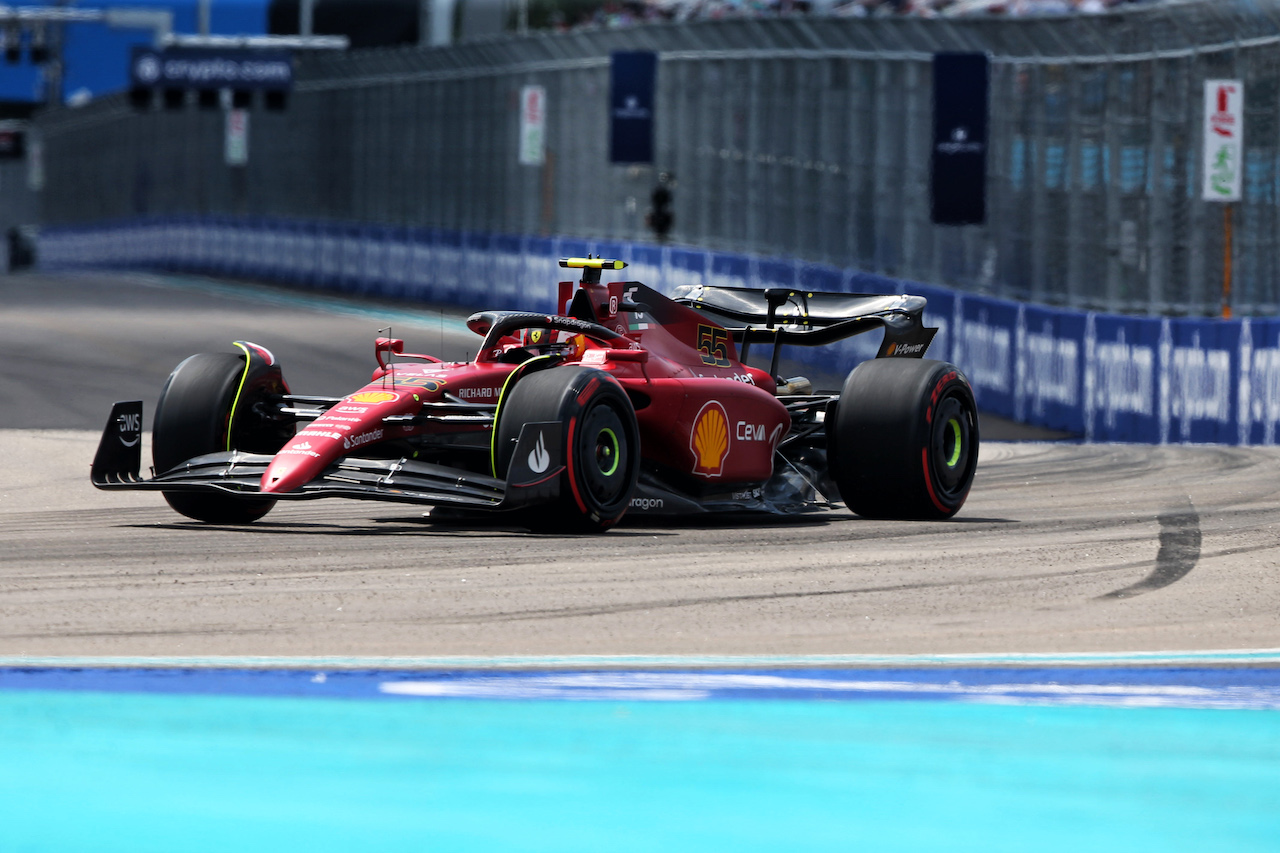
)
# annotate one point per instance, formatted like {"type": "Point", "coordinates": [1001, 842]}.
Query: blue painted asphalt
{"type": "Point", "coordinates": [747, 758]}
{"type": "Point", "coordinates": [1147, 687]}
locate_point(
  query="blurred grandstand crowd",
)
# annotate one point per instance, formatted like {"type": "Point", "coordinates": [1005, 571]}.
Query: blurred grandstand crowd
{"type": "Point", "coordinates": [625, 12]}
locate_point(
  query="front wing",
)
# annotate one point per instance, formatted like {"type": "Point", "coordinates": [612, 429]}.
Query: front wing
{"type": "Point", "coordinates": [119, 458]}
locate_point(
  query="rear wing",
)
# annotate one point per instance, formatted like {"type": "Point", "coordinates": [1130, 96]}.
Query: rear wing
{"type": "Point", "coordinates": [780, 315]}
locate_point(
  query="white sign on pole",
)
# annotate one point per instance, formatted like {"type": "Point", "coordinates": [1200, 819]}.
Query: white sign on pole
{"type": "Point", "coordinates": [35, 162]}
{"type": "Point", "coordinates": [533, 125]}
{"type": "Point", "coordinates": [237, 139]}
{"type": "Point", "coordinates": [1223, 139]}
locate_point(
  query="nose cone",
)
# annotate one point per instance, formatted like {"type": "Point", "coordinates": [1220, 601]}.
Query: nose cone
{"type": "Point", "coordinates": [356, 422]}
{"type": "Point", "coordinates": [287, 472]}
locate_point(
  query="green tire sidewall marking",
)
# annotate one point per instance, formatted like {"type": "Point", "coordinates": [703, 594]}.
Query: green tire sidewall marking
{"type": "Point", "coordinates": [955, 450]}
{"type": "Point", "coordinates": [613, 442]}
{"type": "Point", "coordinates": [235, 401]}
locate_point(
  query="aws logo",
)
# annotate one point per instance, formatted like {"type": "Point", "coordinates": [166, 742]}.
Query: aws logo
{"type": "Point", "coordinates": [130, 428]}
{"type": "Point", "coordinates": [709, 440]}
{"type": "Point", "coordinates": [373, 397]}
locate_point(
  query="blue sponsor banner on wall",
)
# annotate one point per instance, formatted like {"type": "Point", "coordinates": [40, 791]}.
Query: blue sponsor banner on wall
{"type": "Point", "coordinates": [819, 277]}
{"type": "Point", "coordinates": [477, 267]}
{"type": "Point", "coordinates": [857, 281]}
{"type": "Point", "coordinates": [1202, 362]}
{"type": "Point", "coordinates": [771, 272]}
{"type": "Point", "coordinates": [645, 257]}
{"type": "Point", "coordinates": [959, 163]}
{"type": "Point", "coordinates": [303, 254]}
{"type": "Point", "coordinates": [540, 275]}
{"type": "Point", "coordinates": [1101, 377]}
{"type": "Point", "coordinates": [729, 270]}
{"type": "Point", "coordinates": [631, 87]}
{"type": "Point", "coordinates": [351, 259]}
{"type": "Point", "coordinates": [1122, 380]}
{"type": "Point", "coordinates": [397, 262]}
{"type": "Point", "coordinates": [646, 263]}
{"type": "Point", "coordinates": [610, 250]}
{"type": "Point", "coordinates": [684, 266]}
{"type": "Point", "coordinates": [1049, 368]}
{"type": "Point", "coordinates": [422, 262]}
{"type": "Point", "coordinates": [377, 279]}
{"type": "Point", "coordinates": [982, 346]}
{"type": "Point", "coordinates": [1259, 381]}
{"type": "Point", "coordinates": [507, 251]}
{"type": "Point", "coordinates": [448, 282]}
{"type": "Point", "coordinates": [330, 263]}
{"type": "Point", "coordinates": [570, 248]}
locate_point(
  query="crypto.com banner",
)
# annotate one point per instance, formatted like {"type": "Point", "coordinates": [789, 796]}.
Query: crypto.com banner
{"type": "Point", "coordinates": [211, 68]}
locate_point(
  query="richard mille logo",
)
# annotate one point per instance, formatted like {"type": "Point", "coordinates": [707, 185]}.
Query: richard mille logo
{"type": "Point", "coordinates": [539, 458]}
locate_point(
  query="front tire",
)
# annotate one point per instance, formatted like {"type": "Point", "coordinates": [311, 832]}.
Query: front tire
{"type": "Point", "coordinates": [207, 406]}
{"type": "Point", "coordinates": [601, 449]}
{"type": "Point", "coordinates": [904, 439]}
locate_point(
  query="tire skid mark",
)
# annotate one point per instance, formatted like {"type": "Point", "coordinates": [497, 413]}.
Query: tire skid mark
{"type": "Point", "coordinates": [1179, 552]}
{"type": "Point", "coordinates": [667, 604]}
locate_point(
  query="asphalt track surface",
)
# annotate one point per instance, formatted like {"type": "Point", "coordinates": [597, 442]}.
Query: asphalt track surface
{"type": "Point", "coordinates": [1061, 547]}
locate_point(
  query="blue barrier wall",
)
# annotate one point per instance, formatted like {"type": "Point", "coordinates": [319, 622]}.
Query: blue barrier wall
{"type": "Point", "coordinates": [1103, 377]}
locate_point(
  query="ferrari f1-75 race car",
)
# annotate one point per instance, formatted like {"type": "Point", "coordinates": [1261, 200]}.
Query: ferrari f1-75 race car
{"type": "Point", "coordinates": [625, 400]}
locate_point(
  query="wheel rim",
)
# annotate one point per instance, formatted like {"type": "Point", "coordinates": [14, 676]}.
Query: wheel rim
{"type": "Point", "coordinates": [604, 453]}
{"type": "Point", "coordinates": [607, 452]}
{"type": "Point", "coordinates": [952, 446]}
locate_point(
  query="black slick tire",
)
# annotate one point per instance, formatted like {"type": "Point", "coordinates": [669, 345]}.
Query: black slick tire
{"type": "Point", "coordinates": [194, 416]}
{"type": "Point", "coordinates": [903, 442]}
{"type": "Point", "coordinates": [601, 445]}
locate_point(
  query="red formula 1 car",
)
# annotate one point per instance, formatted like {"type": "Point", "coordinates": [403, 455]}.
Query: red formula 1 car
{"type": "Point", "coordinates": [627, 400]}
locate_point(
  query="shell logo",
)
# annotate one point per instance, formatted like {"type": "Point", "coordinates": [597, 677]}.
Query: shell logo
{"type": "Point", "coordinates": [373, 397]}
{"type": "Point", "coordinates": [710, 440]}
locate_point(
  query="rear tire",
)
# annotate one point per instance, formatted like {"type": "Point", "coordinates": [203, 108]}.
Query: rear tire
{"type": "Point", "coordinates": [194, 417]}
{"type": "Point", "coordinates": [601, 448]}
{"type": "Point", "coordinates": [904, 439]}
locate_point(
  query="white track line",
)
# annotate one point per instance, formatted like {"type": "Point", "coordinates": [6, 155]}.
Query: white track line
{"type": "Point", "coordinates": [1235, 657]}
